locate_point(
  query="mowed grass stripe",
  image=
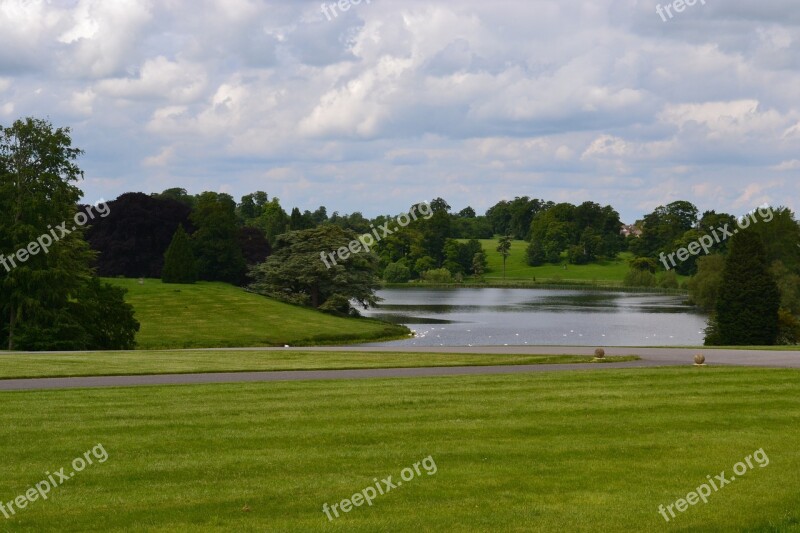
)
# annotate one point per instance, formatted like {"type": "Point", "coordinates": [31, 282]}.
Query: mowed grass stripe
{"type": "Point", "coordinates": [588, 451]}
{"type": "Point", "coordinates": [189, 362]}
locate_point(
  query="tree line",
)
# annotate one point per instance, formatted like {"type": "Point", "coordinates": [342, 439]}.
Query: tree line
{"type": "Point", "coordinates": [53, 300]}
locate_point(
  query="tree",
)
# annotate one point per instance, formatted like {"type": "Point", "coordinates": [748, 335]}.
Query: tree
{"type": "Point", "coordinates": [296, 273]}
{"type": "Point", "coordinates": [662, 227]}
{"type": "Point", "coordinates": [397, 273]}
{"type": "Point", "coordinates": [216, 241]}
{"type": "Point", "coordinates": [50, 300]}
{"type": "Point", "coordinates": [704, 286]}
{"type": "Point", "coordinates": [254, 244]}
{"type": "Point", "coordinates": [37, 176]}
{"type": "Point", "coordinates": [132, 239]}
{"type": "Point", "coordinates": [179, 263]}
{"type": "Point", "coordinates": [748, 302]}
{"type": "Point", "coordinates": [535, 253]}
{"type": "Point", "coordinates": [504, 247]}
{"type": "Point", "coordinates": [273, 220]}
{"type": "Point", "coordinates": [479, 264]}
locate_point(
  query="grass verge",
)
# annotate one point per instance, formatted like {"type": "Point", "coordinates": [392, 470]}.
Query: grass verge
{"type": "Point", "coordinates": [189, 362]}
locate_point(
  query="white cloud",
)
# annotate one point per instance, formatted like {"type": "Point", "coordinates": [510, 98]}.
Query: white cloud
{"type": "Point", "coordinates": [393, 102]}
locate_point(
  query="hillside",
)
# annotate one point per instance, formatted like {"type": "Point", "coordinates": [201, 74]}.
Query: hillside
{"type": "Point", "coordinates": [517, 268]}
{"type": "Point", "coordinates": [213, 315]}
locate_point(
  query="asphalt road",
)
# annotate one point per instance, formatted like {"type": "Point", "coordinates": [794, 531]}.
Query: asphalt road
{"type": "Point", "coordinates": [651, 357]}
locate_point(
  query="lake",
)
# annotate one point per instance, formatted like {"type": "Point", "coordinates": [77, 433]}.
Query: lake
{"type": "Point", "coordinates": [483, 317]}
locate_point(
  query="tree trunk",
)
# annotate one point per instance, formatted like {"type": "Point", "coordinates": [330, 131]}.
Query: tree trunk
{"type": "Point", "coordinates": [315, 297]}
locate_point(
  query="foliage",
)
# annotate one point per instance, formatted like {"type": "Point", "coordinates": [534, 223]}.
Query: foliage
{"type": "Point", "coordinates": [216, 240]}
{"type": "Point", "coordinates": [37, 191]}
{"type": "Point", "coordinates": [295, 272]}
{"type": "Point", "coordinates": [397, 272]}
{"type": "Point", "coordinates": [586, 232]}
{"type": "Point", "coordinates": [788, 328]}
{"type": "Point", "coordinates": [132, 239]}
{"type": "Point", "coordinates": [669, 280]}
{"type": "Point", "coordinates": [504, 248]}
{"type": "Point", "coordinates": [664, 226]}
{"type": "Point", "coordinates": [437, 275]}
{"type": "Point", "coordinates": [704, 286]}
{"type": "Point", "coordinates": [179, 263]}
{"type": "Point", "coordinates": [748, 302]}
{"type": "Point", "coordinates": [639, 278]}
{"type": "Point", "coordinates": [644, 264]}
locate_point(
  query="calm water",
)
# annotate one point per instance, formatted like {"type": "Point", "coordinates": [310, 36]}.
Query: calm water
{"type": "Point", "coordinates": [476, 317]}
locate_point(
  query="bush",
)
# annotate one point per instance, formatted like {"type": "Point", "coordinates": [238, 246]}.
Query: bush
{"type": "Point", "coordinates": [535, 254]}
{"type": "Point", "coordinates": [639, 278]}
{"type": "Point", "coordinates": [669, 280]}
{"type": "Point", "coordinates": [644, 263]}
{"type": "Point", "coordinates": [423, 264]}
{"type": "Point", "coordinates": [788, 328]}
{"type": "Point", "coordinates": [439, 275]}
{"type": "Point", "coordinates": [577, 255]}
{"type": "Point", "coordinates": [397, 273]}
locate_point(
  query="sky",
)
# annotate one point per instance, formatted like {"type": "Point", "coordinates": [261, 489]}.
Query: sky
{"type": "Point", "coordinates": [390, 103]}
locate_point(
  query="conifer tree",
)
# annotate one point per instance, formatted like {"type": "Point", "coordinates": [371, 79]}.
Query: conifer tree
{"type": "Point", "coordinates": [748, 302]}
{"type": "Point", "coordinates": [179, 263]}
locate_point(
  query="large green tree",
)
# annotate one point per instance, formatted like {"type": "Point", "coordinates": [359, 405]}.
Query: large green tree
{"type": "Point", "coordinates": [46, 284]}
{"type": "Point", "coordinates": [748, 301]}
{"type": "Point", "coordinates": [297, 273]}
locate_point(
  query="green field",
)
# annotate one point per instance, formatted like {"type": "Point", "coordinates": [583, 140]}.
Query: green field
{"type": "Point", "coordinates": [185, 362]}
{"type": "Point", "coordinates": [609, 272]}
{"type": "Point", "coordinates": [572, 451]}
{"type": "Point", "coordinates": [603, 273]}
{"type": "Point", "coordinates": [217, 315]}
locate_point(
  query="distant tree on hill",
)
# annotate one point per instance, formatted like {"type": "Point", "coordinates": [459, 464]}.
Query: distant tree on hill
{"type": "Point", "coordinates": [748, 301]}
{"type": "Point", "coordinates": [179, 262]}
{"type": "Point", "coordinates": [254, 244]}
{"type": "Point", "coordinates": [504, 247]}
{"type": "Point", "coordinates": [216, 241]}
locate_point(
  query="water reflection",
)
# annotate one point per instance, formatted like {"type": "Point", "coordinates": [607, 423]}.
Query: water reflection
{"type": "Point", "coordinates": [474, 317]}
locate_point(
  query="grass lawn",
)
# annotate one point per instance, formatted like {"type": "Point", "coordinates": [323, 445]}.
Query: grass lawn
{"type": "Point", "coordinates": [571, 451]}
{"type": "Point", "coordinates": [186, 362]}
{"type": "Point", "coordinates": [217, 315]}
{"type": "Point", "coordinates": [517, 267]}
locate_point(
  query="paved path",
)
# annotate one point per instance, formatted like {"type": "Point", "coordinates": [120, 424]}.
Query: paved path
{"type": "Point", "coordinates": [651, 357]}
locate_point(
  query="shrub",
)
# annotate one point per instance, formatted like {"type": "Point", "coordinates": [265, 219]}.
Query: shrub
{"type": "Point", "coordinates": [669, 280]}
{"type": "Point", "coordinates": [438, 275]}
{"type": "Point", "coordinates": [639, 278]}
{"type": "Point", "coordinates": [397, 273]}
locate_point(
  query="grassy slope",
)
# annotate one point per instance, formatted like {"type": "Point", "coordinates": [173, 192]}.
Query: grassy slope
{"type": "Point", "coordinates": [583, 451]}
{"type": "Point", "coordinates": [155, 362]}
{"type": "Point", "coordinates": [517, 267]}
{"type": "Point", "coordinates": [213, 315]}
{"type": "Point", "coordinates": [603, 272]}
